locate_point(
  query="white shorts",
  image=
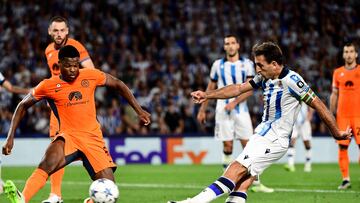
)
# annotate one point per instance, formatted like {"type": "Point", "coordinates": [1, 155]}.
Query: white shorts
{"type": "Point", "coordinates": [232, 126]}
{"type": "Point", "coordinates": [303, 130]}
{"type": "Point", "coordinates": [259, 153]}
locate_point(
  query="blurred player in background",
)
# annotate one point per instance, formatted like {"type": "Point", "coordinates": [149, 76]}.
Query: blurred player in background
{"type": "Point", "coordinates": [58, 31]}
{"type": "Point", "coordinates": [345, 104]}
{"type": "Point", "coordinates": [232, 118]}
{"type": "Point", "coordinates": [71, 97]}
{"type": "Point", "coordinates": [302, 127]}
{"type": "Point", "coordinates": [16, 90]}
{"type": "Point", "coordinates": [283, 92]}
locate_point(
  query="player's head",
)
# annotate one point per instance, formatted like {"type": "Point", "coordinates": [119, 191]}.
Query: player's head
{"type": "Point", "coordinates": [58, 30]}
{"type": "Point", "coordinates": [350, 53]}
{"type": "Point", "coordinates": [268, 59]}
{"type": "Point", "coordinates": [231, 45]}
{"type": "Point", "coordinates": [69, 63]}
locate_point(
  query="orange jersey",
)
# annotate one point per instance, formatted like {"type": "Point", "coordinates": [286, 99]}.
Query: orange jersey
{"type": "Point", "coordinates": [51, 54]}
{"type": "Point", "coordinates": [73, 103]}
{"type": "Point", "coordinates": [348, 83]}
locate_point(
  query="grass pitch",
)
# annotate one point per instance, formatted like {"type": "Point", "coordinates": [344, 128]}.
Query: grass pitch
{"type": "Point", "coordinates": [160, 183]}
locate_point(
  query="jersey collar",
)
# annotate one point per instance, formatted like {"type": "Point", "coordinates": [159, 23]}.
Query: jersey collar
{"type": "Point", "coordinates": [284, 72]}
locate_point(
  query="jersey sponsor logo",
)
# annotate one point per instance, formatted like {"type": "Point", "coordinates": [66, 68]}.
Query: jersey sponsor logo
{"type": "Point", "coordinates": [295, 78]}
{"type": "Point", "coordinates": [300, 84]}
{"type": "Point", "coordinates": [85, 83]}
{"type": "Point", "coordinates": [349, 83]}
{"type": "Point", "coordinates": [75, 94]}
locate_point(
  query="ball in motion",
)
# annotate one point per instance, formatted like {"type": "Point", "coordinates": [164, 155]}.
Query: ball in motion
{"type": "Point", "coordinates": [103, 191]}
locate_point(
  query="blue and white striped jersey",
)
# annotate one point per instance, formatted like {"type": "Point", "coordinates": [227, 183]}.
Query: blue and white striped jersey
{"type": "Point", "coordinates": [282, 102]}
{"type": "Point", "coordinates": [2, 78]}
{"type": "Point", "coordinates": [226, 73]}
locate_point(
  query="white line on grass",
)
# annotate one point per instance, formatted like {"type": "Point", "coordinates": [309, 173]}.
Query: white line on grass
{"type": "Point", "coordinates": [183, 186]}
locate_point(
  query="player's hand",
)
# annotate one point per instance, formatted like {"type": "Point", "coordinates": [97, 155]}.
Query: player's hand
{"type": "Point", "coordinates": [230, 106]}
{"type": "Point", "coordinates": [145, 117]}
{"type": "Point", "coordinates": [345, 135]}
{"type": "Point", "coordinates": [198, 97]}
{"type": "Point", "coordinates": [201, 117]}
{"type": "Point", "coordinates": [7, 147]}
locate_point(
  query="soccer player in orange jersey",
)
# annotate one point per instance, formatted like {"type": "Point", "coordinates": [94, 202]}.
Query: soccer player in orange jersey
{"type": "Point", "coordinates": [58, 31]}
{"type": "Point", "coordinates": [71, 97]}
{"type": "Point", "coordinates": [344, 103]}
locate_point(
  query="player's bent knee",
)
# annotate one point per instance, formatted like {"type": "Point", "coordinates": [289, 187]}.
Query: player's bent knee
{"type": "Point", "coordinates": [106, 173]}
{"type": "Point", "coordinates": [236, 171]}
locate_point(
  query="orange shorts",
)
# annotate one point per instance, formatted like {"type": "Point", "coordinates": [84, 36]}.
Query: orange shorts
{"type": "Point", "coordinates": [354, 124]}
{"type": "Point", "coordinates": [90, 148]}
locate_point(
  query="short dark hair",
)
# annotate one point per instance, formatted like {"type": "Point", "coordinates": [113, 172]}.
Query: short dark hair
{"type": "Point", "coordinates": [68, 51]}
{"type": "Point", "coordinates": [58, 19]}
{"type": "Point", "coordinates": [232, 35]}
{"type": "Point", "coordinates": [270, 50]}
{"type": "Point", "coordinates": [349, 44]}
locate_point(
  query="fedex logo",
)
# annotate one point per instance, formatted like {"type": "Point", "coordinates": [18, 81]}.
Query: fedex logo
{"type": "Point", "coordinates": [154, 150]}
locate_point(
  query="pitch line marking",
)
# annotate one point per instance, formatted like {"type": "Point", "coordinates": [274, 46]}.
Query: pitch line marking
{"type": "Point", "coordinates": [183, 186]}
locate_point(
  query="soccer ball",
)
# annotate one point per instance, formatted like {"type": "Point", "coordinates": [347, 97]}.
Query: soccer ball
{"type": "Point", "coordinates": [103, 191]}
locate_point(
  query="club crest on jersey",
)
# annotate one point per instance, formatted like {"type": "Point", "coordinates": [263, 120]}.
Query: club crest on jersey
{"type": "Point", "coordinates": [85, 83]}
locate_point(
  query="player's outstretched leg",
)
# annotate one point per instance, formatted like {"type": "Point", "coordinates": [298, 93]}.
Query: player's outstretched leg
{"type": "Point", "coordinates": [12, 193]}
{"type": "Point", "coordinates": [290, 166]}
{"type": "Point", "coordinates": [183, 201]}
{"type": "Point", "coordinates": [55, 182]}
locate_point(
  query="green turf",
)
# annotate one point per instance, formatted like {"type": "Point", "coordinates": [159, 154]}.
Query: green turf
{"type": "Point", "coordinates": [157, 184]}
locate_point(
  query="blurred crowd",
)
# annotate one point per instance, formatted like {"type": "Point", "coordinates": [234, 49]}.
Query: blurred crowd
{"type": "Point", "coordinates": [164, 49]}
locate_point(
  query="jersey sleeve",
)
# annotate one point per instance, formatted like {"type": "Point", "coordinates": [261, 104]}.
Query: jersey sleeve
{"type": "Point", "coordinates": [250, 69]}
{"type": "Point", "coordinates": [213, 72]}
{"type": "Point", "coordinates": [100, 76]}
{"type": "Point", "coordinates": [256, 81]}
{"type": "Point", "coordinates": [2, 79]}
{"type": "Point", "coordinates": [40, 91]}
{"type": "Point", "coordinates": [335, 82]}
{"type": "Point", "coordinates": [299, 88]}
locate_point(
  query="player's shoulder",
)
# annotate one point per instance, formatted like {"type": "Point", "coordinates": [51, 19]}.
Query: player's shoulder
{"type": "Point", "coordinates": [339, 69]}
{"type": "Point", "coordinates": [245, 60]}
{"type": "Point", "coordinates": [217, 62]}
{"type": "Point", "coordinates": [49, 48]}
{"type": "Point", "coordinates": [90, 72]}
{"type": "Point", "coordinates": [289, 75]}
{"type": "Point", "coordinates": [73, 42]}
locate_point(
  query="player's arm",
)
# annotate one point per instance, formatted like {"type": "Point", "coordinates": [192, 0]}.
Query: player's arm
{"type": "Point", "coordinates": [124, 91]}
{"type": "Point", "coordinates": [326, 116]}
{"type": "Point", "coordinates": [230, 106]}
{"type": "Point", "coordinates": [201, 116]}
{"type": "Point", "coordinates": [14, 89]}
{"type": "Point", "coordinates": [226, 92]}
{"type": "Point", "coordinates": [87, 63]}
{"type": "Point", "coordinates": [19, 113]}
{"type": "Point", "coordinates": [334, 100]}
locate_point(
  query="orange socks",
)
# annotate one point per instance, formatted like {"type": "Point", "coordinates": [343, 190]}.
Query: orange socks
{"type": "Point", "coordinates": [55, 181]}
{"type": "Point", "coordinates": [34, 183]}
{"type": "Point", "coordinates": [344, 163]}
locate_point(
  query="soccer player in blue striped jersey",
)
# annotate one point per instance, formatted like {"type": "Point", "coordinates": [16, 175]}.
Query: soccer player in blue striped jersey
{"type": "Point", "coordinates": [232, 118]}
{"type": "Point", "coordinates": [16, 90]}
{"type": "Point", "coordinates": [284, 91]}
